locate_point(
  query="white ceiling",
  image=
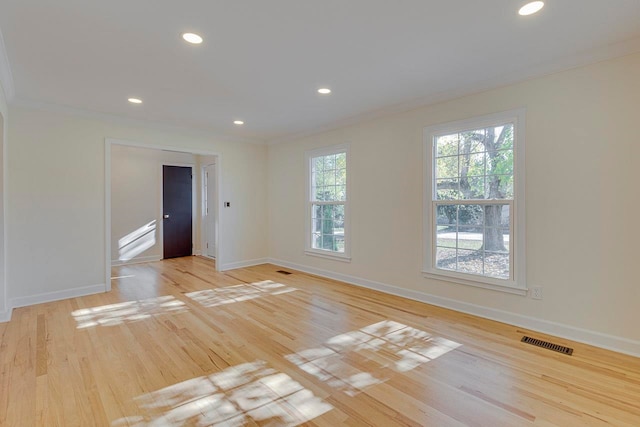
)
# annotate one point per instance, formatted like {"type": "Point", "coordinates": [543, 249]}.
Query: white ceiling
{"type": "Point", "coordinates": [262, 61]}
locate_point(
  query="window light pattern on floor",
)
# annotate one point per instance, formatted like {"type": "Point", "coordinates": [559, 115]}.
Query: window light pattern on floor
{"type": "Point", "coordinates": [238, 293]}
{"type": "Point", "coordinates": [251, 393]}
{"type": "Point", "coordinates": [377, 347]}
{"type": "Point", "coordinates": [129, 311]}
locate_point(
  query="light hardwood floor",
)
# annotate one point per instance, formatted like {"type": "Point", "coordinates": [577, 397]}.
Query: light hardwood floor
{"type": "Point", "coordinates": [176, 343]}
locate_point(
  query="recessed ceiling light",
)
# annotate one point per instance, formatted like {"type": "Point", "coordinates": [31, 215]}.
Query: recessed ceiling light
{"type": "Point", "coordinates": [324, 91]}
{"type": "Point", "coordinates": [531, 8]}
{"type": "Point", "coordinates": [238, 122]}
{"type": "Point", "coordinates": [135, 100]}
{"type": "Point", "coordinates": [192, 38]}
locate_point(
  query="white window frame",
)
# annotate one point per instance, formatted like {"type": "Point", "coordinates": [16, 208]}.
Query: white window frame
{"type": "Point", "coordinates": [517, 283]}
{"type": "Point", "coordinates": [309, 249]}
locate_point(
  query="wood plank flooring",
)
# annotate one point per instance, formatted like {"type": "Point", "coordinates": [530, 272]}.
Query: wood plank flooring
{"type": "Point", "coordinates": [176, 343]}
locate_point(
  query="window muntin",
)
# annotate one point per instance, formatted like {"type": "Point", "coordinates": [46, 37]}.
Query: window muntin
{"type": "Point", "coordinates": [328, 202]}
{"type": "Point", "coordinates": [472, 204]}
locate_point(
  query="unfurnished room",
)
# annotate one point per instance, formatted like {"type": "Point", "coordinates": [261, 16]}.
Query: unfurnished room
{"type": "Point", "coordinates": [338, 213]}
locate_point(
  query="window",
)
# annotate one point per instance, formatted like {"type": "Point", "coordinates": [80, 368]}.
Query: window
{"type": "Point", "coordinates": [327, 203]}
{"type": "Point", "coordinates": [474, 202]}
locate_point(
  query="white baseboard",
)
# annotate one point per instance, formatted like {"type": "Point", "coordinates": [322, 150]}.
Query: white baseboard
{"type": "Point", "coordinates": [597, 339]}
{"type": "Point", "coordinates": [5, 316]}
{"type": "Point", "coordinates": [56, 296]}
{"type": "Point", "coordinates": [243, 264]}
{"type": "Point", "coordinates": [136, 260]}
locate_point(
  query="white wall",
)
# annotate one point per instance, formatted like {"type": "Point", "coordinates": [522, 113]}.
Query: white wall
{"type": "Point", "coordinates": [136, 188]}
{"type": "Point", "coordinates": [582, 200]}
{"type": "Point", "coordinates": [3, 141]}
{"type": "Point", "coordinates": [56, 212]}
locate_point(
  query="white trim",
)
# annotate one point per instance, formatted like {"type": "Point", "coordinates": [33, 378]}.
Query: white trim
{"type": "Point", "coordinates": [243, 264]}
{"type": "Point", "coordinates": [6, 76]}
{"type": "Point", "coordinates": [597, 339]}
{"type": "Point", "coordinates": [327, 255]}
{"type": "Point", "coordinates": [57, 295]}
{"type": "Point", "coordinates": [108, 142]}
{"type": "Point", "coordinates": [462, 279]}
{"type": "Point", "coordinates": [203, 210]}
{"type": "Point", "coordinates": [5, 316]}
{"type": "Point", "coordinates": [517, 284]}
{"type": "Point", "coordinates": [136, 260]}
{"type": "Point", "coordinates": [4, 284]}
{"type": "Point", "coordinates": [308, 210]}
{"type": "Point", "coordinates": [107, 214]}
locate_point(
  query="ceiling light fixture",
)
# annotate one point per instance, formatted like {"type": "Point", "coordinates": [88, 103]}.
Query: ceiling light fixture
{"type": "Point", "coordinates": [324, 91]}
{"type": "Point", "coordinates": [192, 38]}
{"type": "Point", "coordinates": [531, 8]}
{"type": "Point", "coordinates": [238, 122]}
{"type": "Point", "coordinates": [135, 100]}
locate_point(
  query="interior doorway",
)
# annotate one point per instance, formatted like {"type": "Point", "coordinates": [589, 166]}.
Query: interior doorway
{"type": "Point", "coordinates": [136, 229]}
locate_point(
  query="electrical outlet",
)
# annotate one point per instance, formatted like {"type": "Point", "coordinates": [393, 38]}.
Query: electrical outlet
{"type": "Point", "coordinates": [536, 293]}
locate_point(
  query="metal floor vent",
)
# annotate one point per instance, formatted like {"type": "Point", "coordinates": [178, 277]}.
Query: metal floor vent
{"type": "Point", "coordinates": [549, 346]}
{"type": "Point", "coordinates": [283, 272]}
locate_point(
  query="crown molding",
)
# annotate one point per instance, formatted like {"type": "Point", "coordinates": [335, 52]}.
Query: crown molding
{"type": "Point", "coordinates": [6, 77]}
{"type": "Point", "coordinates": [128, 121]}
{"type": "Point", "coordinates": [558, 65]}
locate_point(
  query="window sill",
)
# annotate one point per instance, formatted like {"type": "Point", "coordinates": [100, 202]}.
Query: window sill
{"type": "Point", "coordinates": [510, 289]}
{"type": "Point", "coordinates": [328, 255]}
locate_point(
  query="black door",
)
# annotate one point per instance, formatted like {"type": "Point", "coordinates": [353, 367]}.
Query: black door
{"type": "Point", "coordinates": [176, 204]}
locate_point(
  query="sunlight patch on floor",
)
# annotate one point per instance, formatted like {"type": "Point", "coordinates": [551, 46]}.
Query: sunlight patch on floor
{"type": "Point", "coordinates": [129, 311]}
{"type": "Point", "coordinates": [377, 347]}
{"type": "Point", "coordinates": [238, 293]}
{"type": "Point", "coordinates": [251, 393]}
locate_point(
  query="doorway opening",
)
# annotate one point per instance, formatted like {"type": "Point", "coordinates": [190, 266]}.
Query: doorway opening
{"type": "Point", "coordinates": [158, 205]}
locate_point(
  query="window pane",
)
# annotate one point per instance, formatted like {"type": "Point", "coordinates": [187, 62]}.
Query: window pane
{"type": "Point", "coordinates": [447, 238]}
{"type": "Point", "coordinates": [341, 176]}
{"type": "Point", "coordinates": [329, 178]}
{"type": "Point", "coordinates": [472, 141]}
{"type": "Point", "coordinates": [446, 258]}
{"type": "Point", "coordinates": [505, 218]}
{"type": "Point", "coordinates": [447, 145]}
{"type": "Point", "coordinates": [447, 216]}
{"type": "Point", "coordinates": [470, 238]}
{"type": "Point", "coordinates": [470, 215]}
{"type": "Point", "coordinates": [328, 227]}
{"type": "Point", "coordinates": [496, 265]}
{"type": "Point", "coordinates": [448, 189]}
{"type": "Point", "coordinates": [470, 262]}
{"type": "Point", "coordinates": [474, 230]}
{"type": "Point", "coordinates": [472, 187]}
{"type": "Point", "coordinates": [481, 160]}
{"type": "Point", "coordinates": [447, 167]}
{"type": "Point", "coordinates": [472, 164]}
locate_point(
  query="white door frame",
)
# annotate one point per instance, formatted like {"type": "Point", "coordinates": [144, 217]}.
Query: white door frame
{"type": "Point", "coordinates": [108, 143]}
{"type": "Point", "coordinates": [203, 226]}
